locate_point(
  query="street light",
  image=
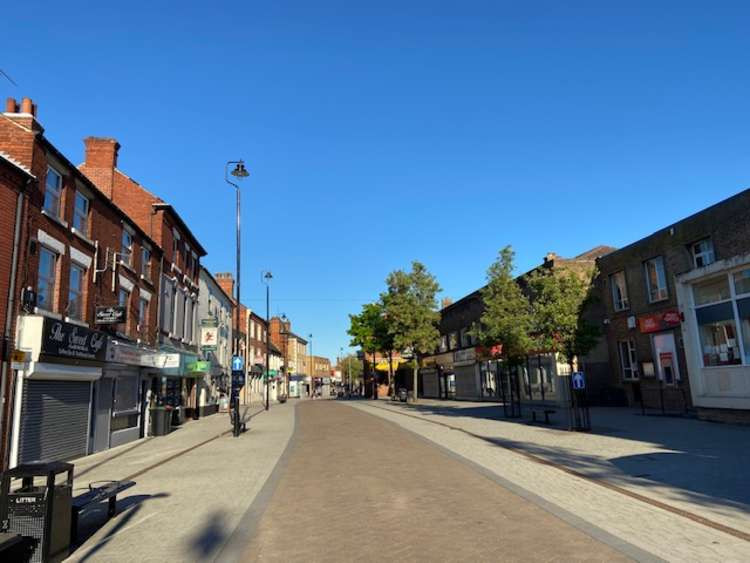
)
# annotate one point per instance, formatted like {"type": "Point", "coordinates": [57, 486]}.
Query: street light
{"type": "Point", "coordinates": [239, 172]}
{"type": "Point", "coordinates": [266, 278]}
{"type": "Point", "coordinates": [283, 332]}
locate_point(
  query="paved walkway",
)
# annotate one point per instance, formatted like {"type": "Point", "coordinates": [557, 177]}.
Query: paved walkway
{"type": "Point", "coordinates": [193, 487]}
{"type": "Point", "coordinates": [684, 464]}
{"type": "Point", "coordinates": [357, 488]}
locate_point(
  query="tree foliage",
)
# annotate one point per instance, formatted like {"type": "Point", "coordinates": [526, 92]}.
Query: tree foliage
{"type": "Point", "coordinates": [350, 366]}
{"type": "Point", "coordinates": [506, 319]}
{"type": "Point", "coordinates": [558, 299]}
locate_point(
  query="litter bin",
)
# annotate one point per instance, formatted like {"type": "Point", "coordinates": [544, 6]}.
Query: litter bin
{"type": "Point", "coordinates": [402, 394]}
{"type": "Point", "coordinates": [39, 511]}
{"type": "Point", "coordinates": [160, 421]}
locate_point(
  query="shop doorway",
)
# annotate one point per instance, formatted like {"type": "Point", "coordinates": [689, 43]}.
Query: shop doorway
{"type": "Point", "coordinates": [102, 414]}
{"type": "Point", "coordinates": [665, 354]}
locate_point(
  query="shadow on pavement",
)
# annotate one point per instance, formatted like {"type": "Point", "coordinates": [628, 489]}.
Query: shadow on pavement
{"type": "Point", "coordinates": [210, 538]}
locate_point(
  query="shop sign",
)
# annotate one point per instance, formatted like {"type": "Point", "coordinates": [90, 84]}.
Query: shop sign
{"type": "Point", "coordinates": [19, 359]}
{"type": "Point", "coordinates": [209, 337]}
{"type": "Point", "coordinates": [199, 366]}
{"type": "Point", "coordinates": [467, 355]}
{"type": "Point", "coordinates": [659, 321]}
{"type": "Point", "coordinates": [110, 315]}
{"type": "Point", "coordinates": [72, 341]}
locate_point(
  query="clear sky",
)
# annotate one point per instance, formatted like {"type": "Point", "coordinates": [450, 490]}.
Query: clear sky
{"type": "Point", "coordinates": [381, 132]}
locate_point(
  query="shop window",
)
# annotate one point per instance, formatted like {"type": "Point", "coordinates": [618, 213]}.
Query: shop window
{"type": "Point", "coordinates": [81, 214]}
{"type": "Point", "coordinates": [711, 291]}
{"type": "Point", "coordinates": [53, 192]}
{"type": "Point", "coordinates": [75, 292]}
{"type": "Point", "coordinates": [703, 252]}
{"type": "Point", "coordinates": [126, 395]}
{"type": "Point", "coordinates": [718, 335]}
{"type": "Point", "coordinates": [743, 308]}
{"type": "Point", "coordinates": [166, 317]}
{"type": "Point", "coordinates": [619, 291]}
{"type": "Point", "coordinates": [742, 282]}
{"type": "Point", "coordinates": [47, 278]}
{"type": "Point", "coordinates": [628, 359]}
{"type": "Point", "coordinates": [656, 279]}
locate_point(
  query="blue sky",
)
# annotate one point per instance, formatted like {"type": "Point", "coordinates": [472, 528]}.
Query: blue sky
{"type": "Point", "coordinates": [381, 132]}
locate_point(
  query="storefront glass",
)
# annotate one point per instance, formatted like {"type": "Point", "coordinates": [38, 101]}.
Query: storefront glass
{"type": "Point", "coordinates": [488, 379]}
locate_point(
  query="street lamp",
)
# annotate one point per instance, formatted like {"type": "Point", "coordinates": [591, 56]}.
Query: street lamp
{"type": "Point", "coordinates": [283, 332]}
{"type": "Point", "coordinates": [266, 278]}
{"type": "Point", "coordinates": [239, 172]}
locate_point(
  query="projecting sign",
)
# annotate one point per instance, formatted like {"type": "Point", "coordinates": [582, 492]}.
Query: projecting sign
{"type": "Point", "coordinates": [209, 337]}
{"type": "Point", "coordinates": [578, 381]}
{"type": "Point", "coordinates": [110, 315]}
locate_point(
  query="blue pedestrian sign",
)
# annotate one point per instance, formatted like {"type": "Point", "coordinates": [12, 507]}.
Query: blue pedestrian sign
{"type": "Point", "coordinates": [238, 364]}
{"type": "Point", "coordinates": [579, 381]}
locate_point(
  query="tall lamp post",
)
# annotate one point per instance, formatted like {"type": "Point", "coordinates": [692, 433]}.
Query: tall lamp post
{"type": "Point", "coordinates": [283, 332]}
{"type": "Point", "coordinates": [239, 172]}
{"type": "Point", "coordinates": [267, 276]}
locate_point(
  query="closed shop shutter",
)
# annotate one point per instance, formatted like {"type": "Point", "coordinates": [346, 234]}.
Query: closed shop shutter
{"type": "Point", "coordinates": [466, 382]}
{"type": "Point", "coordinates": [430, 389]}
{"type": "Point", "coordinates": [54, 420]}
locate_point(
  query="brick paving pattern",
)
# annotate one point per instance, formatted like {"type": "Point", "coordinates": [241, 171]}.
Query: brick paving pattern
{"type": "Point", "coordinates": [357, 488]}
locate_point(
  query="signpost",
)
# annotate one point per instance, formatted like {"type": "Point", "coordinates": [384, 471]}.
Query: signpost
{"type": "Point", "coordinates": [579, 404]}
{"type": "Point", "coordinates": [238, 381]}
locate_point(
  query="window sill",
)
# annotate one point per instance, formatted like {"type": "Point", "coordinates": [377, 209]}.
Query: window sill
{"type": "Point", "coordinates": [46, 313]}
{"type": "Point", "coordinates": [175, 268]}
{"type": "Point", "coordinates": [55, 218]}
{"type": "Point", "coordinates": [82, 236]}
{"type": "Point", "coordinates": [127, 266]}
{"type": "Point", "coordinates": [77, 322]}
{"type": "Point", "coordinates": [147, 280]}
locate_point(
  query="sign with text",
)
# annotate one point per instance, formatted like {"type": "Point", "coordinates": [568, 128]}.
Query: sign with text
{"type": "Point", "coordinates": [73, 341]}
{"type": "Point", "coordinates": [209, 337]}
{"type": "Point", "coordinates": [110, 315]}
{"type": "Point", "coordinates": [659, 321]}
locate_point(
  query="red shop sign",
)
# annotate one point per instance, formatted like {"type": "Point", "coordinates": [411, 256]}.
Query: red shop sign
{"type": "Point", "coordinates": [659, 321]}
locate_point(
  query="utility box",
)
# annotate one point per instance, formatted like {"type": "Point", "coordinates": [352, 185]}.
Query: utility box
{"type": "Point", "coordinates": [40, 508]}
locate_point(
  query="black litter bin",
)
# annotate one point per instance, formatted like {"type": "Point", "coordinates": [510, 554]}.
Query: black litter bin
{"type": "Point", "coordinates": [39, 511]}
{"type": "Point", "coordinates": [161, 421]}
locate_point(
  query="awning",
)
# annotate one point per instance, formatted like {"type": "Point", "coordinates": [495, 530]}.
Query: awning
{"type": "Point", "coordinates": [62, 372]}
{"type": "Point", "coordinates": [382, 365]}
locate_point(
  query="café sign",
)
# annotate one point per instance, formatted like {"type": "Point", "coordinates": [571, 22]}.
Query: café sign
{"type": "Point", "coordinates": [110, 315]}
{"type": "Point", "coordinates": [72, 341]}
{"type": "Point", "coordinates": [659, 321]}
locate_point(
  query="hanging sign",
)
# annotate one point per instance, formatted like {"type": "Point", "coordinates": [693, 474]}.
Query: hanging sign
{"type": "Point", "coordinates": [659, 321]}
{"type": "Point", "coordinates": [110, 315]}
{"type": "Point", "coordinates": [209, 337]}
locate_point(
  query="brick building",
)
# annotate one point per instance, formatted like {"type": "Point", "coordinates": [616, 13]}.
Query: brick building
{"type": "Point", "coordinates": [87, 309]}
{"type": "Point", "coordinates": [180, 272]}
{"type": "Point", "coordinates": [678, 313]}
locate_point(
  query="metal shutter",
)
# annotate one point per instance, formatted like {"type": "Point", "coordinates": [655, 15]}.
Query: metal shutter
{"type": "Point", "coordinates": [54, 420]}
{"type": "Point", "coordinates": [466, 383]}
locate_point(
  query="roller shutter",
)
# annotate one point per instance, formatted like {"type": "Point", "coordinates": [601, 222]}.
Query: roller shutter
{"type": "Point", "coordinates": [54, 420]}
{"type": "Point", "coordinates": [466, 382]}
{"type": "Point", "coordinates": [430, 388]}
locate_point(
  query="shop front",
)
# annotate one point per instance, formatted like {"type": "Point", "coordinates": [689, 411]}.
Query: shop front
{"type": "Point", "coordinates": [54, 390]}
{"type": "Point", "coordinates": [179, 388]}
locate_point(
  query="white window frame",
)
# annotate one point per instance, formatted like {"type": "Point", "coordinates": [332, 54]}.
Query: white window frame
{"type": "Point", "coordinates": [84, 228]}
{"type": "Point", "coordinates": [624, 303]}
{"type": "Point", "coordinates": [658, 293]}
{"type": "Point", "coordinates": [126, 251]}
{"type": "Point", "coordinates": [56, 193]}
{"type": "Point", "coordinates": [80, 294]}
{"type": "Point", "coordinates": [706, 256]}
{"type": "Point", "coordinates": [632, 357]}
{"type": "Point", "coordinates": [51, 287]}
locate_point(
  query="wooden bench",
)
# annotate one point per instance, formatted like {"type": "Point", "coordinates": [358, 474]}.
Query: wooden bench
{"type": "Point", "coordinates": [108, 491]}
{"type": "Point", "coordinates": [545, 412]}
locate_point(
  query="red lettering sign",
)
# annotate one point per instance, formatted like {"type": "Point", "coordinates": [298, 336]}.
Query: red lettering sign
{"type": "Point", "coordinates": [659, 321]}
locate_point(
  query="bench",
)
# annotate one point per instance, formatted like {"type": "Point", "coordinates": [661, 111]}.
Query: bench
{"type": "Point", "coordinates": [545, 412]}
{"type": "Point", "coordinates": [108, 491]}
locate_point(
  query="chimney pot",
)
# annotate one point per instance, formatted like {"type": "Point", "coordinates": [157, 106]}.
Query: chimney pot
{"type": "Point", "coordinates": [27, 106]}
{"type": "Point", "coordinates": [11, 106]}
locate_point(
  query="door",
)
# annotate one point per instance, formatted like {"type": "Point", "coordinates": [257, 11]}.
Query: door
{"type": "Point", "coordinates": [102, 414]}
{"type": "Point", "coordinates": [665, 355]}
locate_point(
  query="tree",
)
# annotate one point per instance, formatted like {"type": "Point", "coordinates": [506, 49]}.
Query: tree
{"type": "Point", "coordinates": [411, 312]}
{"type": "Point", "coordinates": [506, 319]}
{"type": "Point", "coordinates": [351, 369]}
{"type": "Point", "coordinates": [558, 299]}
{"type": "Point", "coordinates": [368, 331]}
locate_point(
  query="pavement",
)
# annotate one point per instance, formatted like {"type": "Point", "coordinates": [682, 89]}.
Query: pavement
{"type": "Point", "coordinates": [193, 486]}
{"type": "Point", "coordinates": [673, 487]}
{"type": "Point", "coordinates": [358, 488]}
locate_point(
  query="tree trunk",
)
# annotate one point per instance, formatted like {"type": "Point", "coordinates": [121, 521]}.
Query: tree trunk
{"type": "Point", "coordinates": [374, 379]}
{"type": "Point", "coordinates": [391, 382]}
{"type": "Point", "coordinates": [416, 370]}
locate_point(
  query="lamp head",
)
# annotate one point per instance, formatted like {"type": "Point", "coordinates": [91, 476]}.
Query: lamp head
{"type": "Point", "coordinates": [240, 171]}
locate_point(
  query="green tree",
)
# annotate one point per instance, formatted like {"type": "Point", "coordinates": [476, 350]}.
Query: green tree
{"type": "Point", "coordinates": [411, 312]}
{"type": "Point", "coordinates": [369, 332]}
{"type": "Point", "coordinates": [558, 299]}
{"type": "Point", "coordinates": [506, 319]}
{"type": "Point", "coordinates": [351, 369]}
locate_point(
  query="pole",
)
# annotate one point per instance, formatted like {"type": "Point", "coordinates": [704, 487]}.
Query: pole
{"type": "Point", "coordinates": [268, 348]}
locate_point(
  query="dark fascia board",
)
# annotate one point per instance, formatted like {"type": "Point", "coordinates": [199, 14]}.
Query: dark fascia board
{"type": "Point", "coordinates": [93, 188]}
{"type": "Point", "coordinates": [17, 167]}
{"type": "Point", "coordinates": [164, 206]}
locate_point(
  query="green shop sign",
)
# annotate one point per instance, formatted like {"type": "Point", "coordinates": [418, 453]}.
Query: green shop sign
{"type": "Point", "coordinates": [200, 366]}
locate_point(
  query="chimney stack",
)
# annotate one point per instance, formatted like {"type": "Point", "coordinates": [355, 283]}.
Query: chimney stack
{"type": "Point", "coordinates": [226, 282]}
{"type": "Point", "coordinates": [101, 161]}
{"type": "Point", "coordinates": [17, 138]}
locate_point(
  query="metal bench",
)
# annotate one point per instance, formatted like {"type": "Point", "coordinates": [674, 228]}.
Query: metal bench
{"type": "Point", "coordinates": [545, 412]}
{"type": "Point", "coordinates": [108, 491]}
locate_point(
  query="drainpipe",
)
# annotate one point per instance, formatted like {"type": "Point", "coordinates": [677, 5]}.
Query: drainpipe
{"type": "Point", "coordinates": [9, 314]}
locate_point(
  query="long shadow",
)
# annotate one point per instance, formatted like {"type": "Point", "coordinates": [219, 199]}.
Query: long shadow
{"type": "Point", "coordinates": [706, 462]}
{"type": "Point", "coordinates": [95, 517]}
{"type": "Point", "coordinates": [210, 538]}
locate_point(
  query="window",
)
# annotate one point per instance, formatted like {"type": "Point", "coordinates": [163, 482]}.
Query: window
{"type": "Point", "coordinates": [466, 338]}
{"type": "Point", "coordinates": [176, 251]}
{"type": "Point", "coordinates": [628, 359]}
{"type": "Point", "coordinates": [703, 252]}
{"type": "Point", "coordinates": [47, 278]}
{"type": "Point", "coordinates": [75, 292]}
{"type": "Point", "coordinates": [126, 248]}
{"type": "Point", "coordinates": [453, 340]}
{"type": "Point", "coordinates": [179, 310]}
{"type": "Point", "coordinates": [742, 282]}
{"type": "Point", "coordinates": [142, 313]}
{"type": "Point", "coordinates": [146, 263]}
{"type": "Point", "coordinates": [656, 279]}
{"type": "Point", "coordinates": [123, 297]}
{"type": "Point", "coordinates": [619, 291]}
{"type": "Point", "coordinates": [718, 334]}
{"type": "Point", "coordinates": [53, 192]}
{"type": "Point", "coordinates": [711, 291]}
{"type": "Point", "coordinates": [81, 214]}
{"type": "Point", "coordinates": [167, 304]}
